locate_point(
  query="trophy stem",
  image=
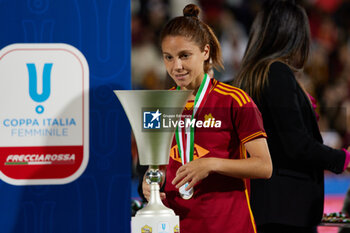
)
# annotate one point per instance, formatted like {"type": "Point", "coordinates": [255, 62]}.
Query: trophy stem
{"type": "Point", "coordinates": [155, 206]}
{"type": "Point", "coordinates": [154, 167]}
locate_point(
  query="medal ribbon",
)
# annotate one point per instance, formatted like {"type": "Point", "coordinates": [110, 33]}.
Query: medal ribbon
{"type": "Point", "coordinates": [201, 95]}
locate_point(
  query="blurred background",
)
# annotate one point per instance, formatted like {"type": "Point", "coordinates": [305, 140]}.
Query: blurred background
{"type": "Point", "coordinates": [326, 76]}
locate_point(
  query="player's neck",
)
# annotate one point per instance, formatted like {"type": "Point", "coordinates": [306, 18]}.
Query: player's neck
{"type": "Point", "coordinates": [194, 86]}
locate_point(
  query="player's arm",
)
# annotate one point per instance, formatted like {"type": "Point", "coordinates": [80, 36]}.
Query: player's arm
{"type": "Point", "coordinates": [258, 165]}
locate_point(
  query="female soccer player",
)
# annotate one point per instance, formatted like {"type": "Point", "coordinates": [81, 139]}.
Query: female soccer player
{"type": "Point", "coordinates": [207, 179]}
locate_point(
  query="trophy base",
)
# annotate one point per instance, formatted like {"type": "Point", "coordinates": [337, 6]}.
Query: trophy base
{"type": "Point", "coordinates": [155, 224]}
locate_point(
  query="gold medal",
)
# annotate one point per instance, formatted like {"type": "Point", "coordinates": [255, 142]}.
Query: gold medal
{"type": "Point", "coordinates": [185, 194]}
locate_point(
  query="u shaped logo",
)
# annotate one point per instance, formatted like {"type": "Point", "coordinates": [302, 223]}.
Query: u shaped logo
{"type": "Point", "coordinates": [33, 83]}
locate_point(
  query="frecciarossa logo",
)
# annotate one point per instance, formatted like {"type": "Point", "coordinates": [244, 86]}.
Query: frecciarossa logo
{"type": "Point", "coordinates": [40, 159]}
{"type": "Point", "coordinates": [45, 127]}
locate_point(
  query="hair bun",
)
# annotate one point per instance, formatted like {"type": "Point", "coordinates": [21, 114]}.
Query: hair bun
{"type": "Point", "coordinates": [191, 10]}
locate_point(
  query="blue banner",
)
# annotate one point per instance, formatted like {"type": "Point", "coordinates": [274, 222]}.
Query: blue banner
{"type": "Point", "coordinates": [99, 200]}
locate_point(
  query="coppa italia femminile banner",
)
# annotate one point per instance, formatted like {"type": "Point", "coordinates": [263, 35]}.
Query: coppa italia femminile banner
{"type": "Point", "coordinates": [44, 117]}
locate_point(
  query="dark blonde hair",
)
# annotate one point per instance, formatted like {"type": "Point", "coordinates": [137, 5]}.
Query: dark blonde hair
{"type": "Point", "coordinates": [192, 27]}
{"type": "Point", "coordinates": [280, 32]}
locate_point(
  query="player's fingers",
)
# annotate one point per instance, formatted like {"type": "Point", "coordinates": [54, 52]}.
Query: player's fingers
{"type": "Point", "coordinates": [146, 190]}
{"type": "Point", "coordinates": [191, 184]}
{"type": "Point", "coordinates": [181, 169]}
{"type": "Point", "coordinates": [147, 195]}
{"type": "Point", "coordinates": [162, 196]}
{"type": "Point", "coordinates": [179, 176]}
{"type": "Point", "coordinates": [182, 182]}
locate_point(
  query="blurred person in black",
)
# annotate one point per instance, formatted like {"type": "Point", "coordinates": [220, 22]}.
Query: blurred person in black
{"type": "Point", "coordinates": [292, 200]}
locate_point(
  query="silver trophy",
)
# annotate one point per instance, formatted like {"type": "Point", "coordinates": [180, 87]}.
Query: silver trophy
{"type": "Point", "coordinates": [151, 114]}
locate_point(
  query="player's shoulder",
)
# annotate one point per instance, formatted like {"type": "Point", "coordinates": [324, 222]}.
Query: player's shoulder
{"type": "Point", "coordinates": [231, 92]}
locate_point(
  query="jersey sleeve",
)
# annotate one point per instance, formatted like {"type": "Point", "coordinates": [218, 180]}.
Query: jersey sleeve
{"type": "Point", "coordinates": [248, 122]}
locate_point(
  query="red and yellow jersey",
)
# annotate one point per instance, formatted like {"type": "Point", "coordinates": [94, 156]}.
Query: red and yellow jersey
{"type": "Point", "coordinates": [220, 203]}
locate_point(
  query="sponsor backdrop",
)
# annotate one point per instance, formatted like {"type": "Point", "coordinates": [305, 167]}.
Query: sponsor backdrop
{"type": "Point", "coordinates": [65, 141]}
{"type": "Point", "coordinates": [45, 126]}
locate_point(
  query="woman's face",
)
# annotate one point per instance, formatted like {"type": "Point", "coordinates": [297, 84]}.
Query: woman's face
{"type": "Point", "coordinates": [184, 61]}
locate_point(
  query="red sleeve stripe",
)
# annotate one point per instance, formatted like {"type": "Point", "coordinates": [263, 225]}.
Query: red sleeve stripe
{"type": "Point", "coordinates": [240, 94]}
{"type": "Point", "coordinates": [230, 94]}
{"type": "Point", "coordinates": [255, 135]}
{"type": "Point", "coordinates": [236, 89]}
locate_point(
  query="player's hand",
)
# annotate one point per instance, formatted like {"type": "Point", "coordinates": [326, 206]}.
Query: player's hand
{"type": "Point", "coordinates": [146, 189]}
{"type": "Point", "coordinates": [192, 172]}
